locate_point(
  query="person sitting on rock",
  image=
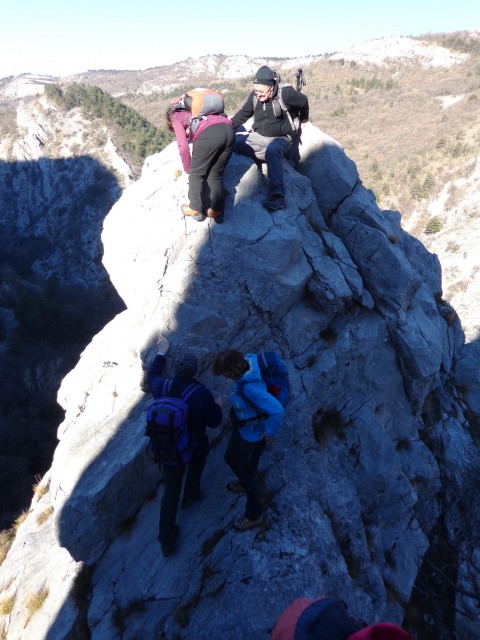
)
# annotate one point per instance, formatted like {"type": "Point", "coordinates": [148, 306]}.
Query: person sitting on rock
{"type": "Point", "coordinates": [273, 130]}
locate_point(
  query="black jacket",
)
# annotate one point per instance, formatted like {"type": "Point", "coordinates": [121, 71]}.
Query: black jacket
{"type": "Point", "coordinates": [265, 121]}
{"type": "Point", "coordinates": [203, 410]}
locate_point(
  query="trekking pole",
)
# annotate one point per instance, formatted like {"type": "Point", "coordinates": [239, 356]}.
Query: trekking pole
{"type": "Point", "coordinates": [210, 236]}
{"type": "Point", "coordinates": [300, 79]}
{"type": "Point", "coordinates": [218, 437]}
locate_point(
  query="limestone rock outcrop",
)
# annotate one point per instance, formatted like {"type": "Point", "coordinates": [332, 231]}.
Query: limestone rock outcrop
{"type": "Point", "coordinates": [355, 483]}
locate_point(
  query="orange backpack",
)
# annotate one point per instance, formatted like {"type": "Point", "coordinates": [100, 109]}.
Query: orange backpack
{"type": "Point", "coordinates": [201, 103]}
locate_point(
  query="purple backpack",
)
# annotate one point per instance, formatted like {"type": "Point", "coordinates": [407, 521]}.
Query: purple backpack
{"type": "Point", "coordinates": [167, 426]}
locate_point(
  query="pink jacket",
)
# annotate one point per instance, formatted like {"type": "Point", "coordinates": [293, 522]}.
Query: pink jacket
{"type": "Point", "coordinates": [180, 121]}
{"type": "Point", "coordinates": [381, 631]}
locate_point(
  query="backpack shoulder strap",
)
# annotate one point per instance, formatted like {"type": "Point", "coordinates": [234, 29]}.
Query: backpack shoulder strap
{"type": "Point", "coordinates": [285, 109]}
{"type": "Point", "coordinates": [240, 392]}
{"type": "Point", "coordinates": [261, 357]}
{"type": "Point", "coordinates": [166, 388]}
{"type": "Point", "coordinates": [260, 414]}
{"type": "Point", "coordinates": [189, 391]}
{"type": "Point", "coordinates": [280, 98]}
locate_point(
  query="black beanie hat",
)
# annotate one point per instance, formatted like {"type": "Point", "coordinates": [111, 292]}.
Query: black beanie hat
{"type": "Point", "coordinates": [186, 365]}
{"type": "Point", "coordinates": [265, 76]}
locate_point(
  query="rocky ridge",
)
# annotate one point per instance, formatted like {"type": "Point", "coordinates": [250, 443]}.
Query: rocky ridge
{"type": "Point", "coordinates": [43, 131]}
{"type": "Point", "coordinates": [401, 49]}
{"type": "Point", "coordinates": [455, 244]}
{"type": "Point", "coordinates": [372, 453]}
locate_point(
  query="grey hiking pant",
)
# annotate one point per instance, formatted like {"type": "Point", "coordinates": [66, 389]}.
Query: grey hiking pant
{"type": "Point", "coordinates": [269, 150]}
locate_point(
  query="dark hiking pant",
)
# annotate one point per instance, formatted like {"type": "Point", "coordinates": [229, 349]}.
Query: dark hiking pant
{"type": "Point", "coordinates": [211, 152]}
{"type": "Point", "coordinates": [172, 479]}
{"type": "Point", "coordinates": [269, 150]}
{"type": "Point", "coordinates": [243, 458]}
{"type": "Point", "coordinates": [191, 488]}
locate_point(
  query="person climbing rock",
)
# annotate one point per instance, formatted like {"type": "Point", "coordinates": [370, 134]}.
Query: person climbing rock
{"type": "Point", "coordinates": [257, 418]}
{"type": "Point", "coordinates": [203, 411]}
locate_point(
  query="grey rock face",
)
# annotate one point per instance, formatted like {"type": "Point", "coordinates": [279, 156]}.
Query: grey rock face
{"type": "Point", "coordinates": [351, 485]}
{"type": "Point", "coordinates": [54, 209]}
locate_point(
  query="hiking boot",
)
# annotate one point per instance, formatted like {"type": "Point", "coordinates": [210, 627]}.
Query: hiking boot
{"type": "Point", "coordinates": [218, 216]}
{"type": "Point", "coordinates": [189, 500]}
{"type": "Point", "coordinates": [169, 547]}
{"type": "Point", "coordinates": [235, 487]}
{"type": "Point", "coordinates": [273, 203]}
{"type": "Point", "coordinates": [243, 524]}
{"type": "Point", "coordinates": [199, 216]}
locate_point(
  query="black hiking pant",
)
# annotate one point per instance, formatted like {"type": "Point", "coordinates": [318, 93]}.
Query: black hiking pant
{"type": "Point", "coordinates": [243, 458]}
{"type": "Point", "coordinates": [173, 480]}
{"type": "Point", "coordinates": [210, 154]}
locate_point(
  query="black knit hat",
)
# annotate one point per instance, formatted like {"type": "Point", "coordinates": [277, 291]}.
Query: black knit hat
{"type": "Point", "coordinates": [265, 76]}
{"type": "Point", "coordinates": [186, 365]}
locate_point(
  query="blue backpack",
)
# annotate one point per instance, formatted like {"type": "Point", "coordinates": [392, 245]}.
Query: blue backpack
{"type": "Point", "coordinates": [167, 426]}
{"type": "Point", "coordinates": [275, 374]}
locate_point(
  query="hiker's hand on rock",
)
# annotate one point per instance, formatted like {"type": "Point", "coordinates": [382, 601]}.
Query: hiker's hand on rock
{"type": "Point", "coordinates": [162, 344]}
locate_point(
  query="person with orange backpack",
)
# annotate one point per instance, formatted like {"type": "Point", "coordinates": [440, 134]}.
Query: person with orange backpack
{"type": "Point", "coordinates": [197, 118]}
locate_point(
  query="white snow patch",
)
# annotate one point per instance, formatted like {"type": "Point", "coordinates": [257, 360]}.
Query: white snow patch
{"type": "Point", "coordinates": [401, 49]}
{"type": "Point", "coordinates": [23, 86]}
{"type": "Point", "coordinates": [447, 101]}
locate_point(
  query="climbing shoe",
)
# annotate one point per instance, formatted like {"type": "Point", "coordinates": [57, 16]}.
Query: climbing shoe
{"type": "Point", "coordinates": [235, 487]}
{"type": "Point", "coordinates": [199, 216]}
{"type": "Point", "coordinates": [218, 216]}
{"type": "Point", "coordinates": [169, 547]}
{"type": "Point", "coordinates": [189, 500]}
{"type": "Point", "coordinates": [273, 203]}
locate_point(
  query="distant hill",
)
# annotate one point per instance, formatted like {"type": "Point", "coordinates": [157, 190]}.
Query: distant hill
{"type": "Point", "coordinates": [405, 109]}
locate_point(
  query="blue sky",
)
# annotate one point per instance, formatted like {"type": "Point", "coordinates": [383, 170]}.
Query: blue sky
{"type": "Point", "coordinates": [62, 37]}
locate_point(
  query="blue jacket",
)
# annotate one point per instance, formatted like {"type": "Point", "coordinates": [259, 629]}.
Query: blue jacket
{"type": "Point", "coordinates": [203, 410]}
{"type": "Point", "coordinates": [250, 398]}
